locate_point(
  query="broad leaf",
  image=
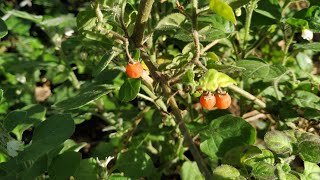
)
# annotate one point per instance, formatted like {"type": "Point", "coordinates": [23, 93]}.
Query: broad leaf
{"type": "Point", "coordinates": [224, 133]}
{"type": "Point", "coordinates": [85, 96]}
{"type": "Point", "coordinates": [309, 150]}
{"type": "Point", "coordinates": [225, 172]}
{"type": "Point", "coordinates": [190, 171]}
{"type": "Point", "coordinates": [298, 23]}
{"type": "Point", "coordinates": [49, 134]}
{"type": "Point", "coordinates": [263, 170]}
{"type": "Point", "coordinates": [3, 29]}
{"type": "Point", "coordinates": [311, 170]}
{"type": "Point", "coordinates": [304, 61]}
{"type": "Point", "coordinates": [306, 99]}
{"type": "Point", "coordinates": [19, 121]}
{"type": "Point", "coordinates": [64, 165]}
{"type": "Point", "coordinates": [172, 21]}
{"type": "Point", "coordinates": [314, 46]}
{"type": "Point", "coordinates": [88, 169]}
{"type": "Point", "coordinates": [278, 142]}
{"type": "Point", "coordinates": [135, 164]}
{"type": "Point", "coordinates": [214, 79]}
{"type": "Point", "coordinates": [258, 69]}
{"type": "Point", "coordinates": [14, 119]}
{"type": "Point", "coordinates": [222, 9]}
{"type": "Point", "coordinates": [129, 89]}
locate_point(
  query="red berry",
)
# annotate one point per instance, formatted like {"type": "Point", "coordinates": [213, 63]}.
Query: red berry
{"type": "Point", "coordinates": [134, 69]}
{"type": "Point", "coordinates": [223, 101]}
{"type": "Point", "coordinates": [207, 101]}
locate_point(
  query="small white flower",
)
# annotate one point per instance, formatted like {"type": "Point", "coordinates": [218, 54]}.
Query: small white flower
{"type": "Point", "coordinates": [238, 12]}
{"type": "Point", "coordinates": [13, 146]}
{"type": "Point", "coordinates": [69, 33]}
{"type": "Point", "coordinates": [104, 163]}
{"type": "Point", "coordinates": [307, 34]}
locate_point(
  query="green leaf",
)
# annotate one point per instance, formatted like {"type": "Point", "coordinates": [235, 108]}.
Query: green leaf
{"type": "Point", "coordinates": [264, 171]}
{"type": "Point", "coordinates": [62, 20]}
{"type": "Point", "coordinates": [222, 9]}
{"type": "Point", "coordinates": [278, 142]}
{"type": "Point", "coordinates": [3, 29]}
{"type": "Point", "coordinates": [135, 164]}
{"type": "Point", "coordinates": [311, 170]}
{"type": "Point", "coordinates": [19, 121]}
{"type": "Point", "coordinates": [85, 96]}
{"type": "Point", "coordinates": [314, 46]}
{"type": "Point", "coordinates": [171, 21]}
{"type": "Point", "coordinates": [13, 119]}
{"type": "Point", "coordinates": [304, 61]}
{"type": "Point", "coordinates": [312, 114]}
{"type": "Point", "coordinates": [306, 99]}
{"type": "Point", "coordinates": [105, 60]}
{"type": "Point", "coordinates": [247, 155]}
{"type": "Point", "coordinates": [88, 169]}
{"type": "Point", "coordinates": [298, 23]}
{"type": "Point", "coordinates": [49, 134]}
{"type": "Point", "coordinates": [190, 171]}
{"type": "Point", "coordinates": [86, 20]}
{"type": "Point", "coordinates": [225, 172]}
{"type": "Point", "coordinates": [129, 89]}
{"type": "Point", "coordinates": [64, 165]}
{"type": "Point", "coordinates": [28, 16]}
{"type": "Point", "coordinates": [309, 150]}
{"type": "Point", "coordinates": [225, 133]}
{"type": "Point", "coordinates": [258, 69]}
{"type": "Point", "coordinates": [214, 79]}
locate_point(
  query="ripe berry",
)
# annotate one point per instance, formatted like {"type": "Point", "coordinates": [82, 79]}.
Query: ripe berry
{"type": "Point", "coordinates": [223, 101]}
{"type": "Point", "coordinates": [134, 69]}
{"type": "Point", "coordinates": [207, 101]}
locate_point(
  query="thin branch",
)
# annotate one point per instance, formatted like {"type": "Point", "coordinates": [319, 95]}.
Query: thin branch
{"type": "Point", "coordinates": [248, 96]}
{"type": "Point", "coordinates": [141, 21]}
{"type": "Point", "coordinates": [176, 112]}
{"type": "Point", "coordinates": [210, 45]}
{"type": "Point", "coordinates": [250, 7]}
{"type": "Point", "coordinates": [287, 46]}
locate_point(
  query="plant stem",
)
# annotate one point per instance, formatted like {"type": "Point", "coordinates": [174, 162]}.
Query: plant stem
{"type": "Point", "coordinates": [286, 49]}
{"type": "Point", "coordinates": [141, 21]}
{"type": "Point", "coordinates": [250, 9]}
{"type": "Point", "coordinates": [178, 117]}
{"type": "Point", "coordinates": [248, 96]}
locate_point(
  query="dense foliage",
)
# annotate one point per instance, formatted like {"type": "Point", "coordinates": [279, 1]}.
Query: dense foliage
{"type": "Point", "coordinates": [129, 89]}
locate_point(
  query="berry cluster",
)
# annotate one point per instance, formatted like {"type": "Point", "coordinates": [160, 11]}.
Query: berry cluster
{"type": "Point", "coordinates": [219, 100]}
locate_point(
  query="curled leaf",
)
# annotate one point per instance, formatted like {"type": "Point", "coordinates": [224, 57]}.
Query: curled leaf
{"type": "Point", "coordinates": [214, 79]}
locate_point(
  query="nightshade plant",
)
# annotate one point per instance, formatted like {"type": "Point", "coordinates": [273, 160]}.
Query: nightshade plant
{"type": "Point", "coordinates": [70, 109]}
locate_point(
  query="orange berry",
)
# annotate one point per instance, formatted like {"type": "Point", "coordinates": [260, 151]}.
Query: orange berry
{"type": "Point", "coordinates": [223, 101]}
{"type": "Point", "coordinates": [134, 69]}
{"type": "Point", "coordinates": [207, 101]}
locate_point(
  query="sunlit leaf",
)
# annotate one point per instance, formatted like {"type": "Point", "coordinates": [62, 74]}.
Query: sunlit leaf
{"type": "Point", "coordinates": [214, 79]}
{"type": "Point", "coordinates": [190, 171]}
{"type": "Point", "coordinates": [223, 9]}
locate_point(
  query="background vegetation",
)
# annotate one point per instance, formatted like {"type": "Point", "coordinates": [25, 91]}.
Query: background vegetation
{"type": "Point", "coordinates": [68, 110]}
